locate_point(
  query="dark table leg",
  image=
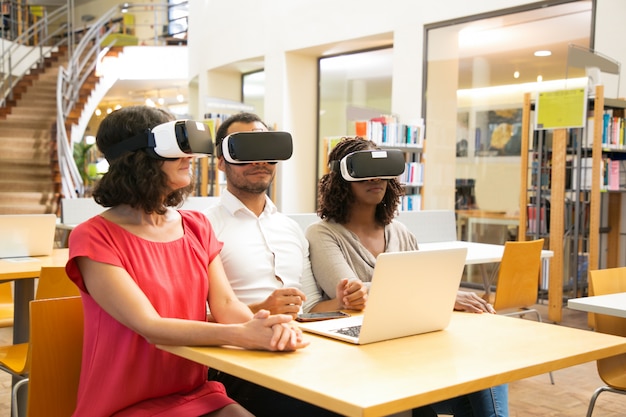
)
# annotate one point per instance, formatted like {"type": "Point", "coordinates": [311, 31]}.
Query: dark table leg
{"type": "Point", "coordinates": [24, 292]}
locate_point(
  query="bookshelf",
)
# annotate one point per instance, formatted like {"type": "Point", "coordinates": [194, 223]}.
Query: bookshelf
{"type": "Point", "coordinates": [567, 174]}
{"type": "Point", "coordinates": [388, 133]}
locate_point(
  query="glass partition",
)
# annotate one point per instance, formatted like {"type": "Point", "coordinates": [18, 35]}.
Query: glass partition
{"type": "Point", "coordinates": [253, 92]}
{"type": "Point", "coordinates": [355, 86]}
{"type": "Point", "coordinates": [484, 66]}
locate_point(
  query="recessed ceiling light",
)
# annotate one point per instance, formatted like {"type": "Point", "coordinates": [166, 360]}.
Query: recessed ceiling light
{"type": "Point", "coordinates": [516, 74]}
{"type": "Point", "coordinates": [543, 53]}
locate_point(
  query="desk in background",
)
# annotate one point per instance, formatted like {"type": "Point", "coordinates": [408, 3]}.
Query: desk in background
{"type": "Point", "coordinates": [24, 271]}
{"type": "Point", "coordinates": [470, 218]}
{"type": "Point", "coordinates": [405, 373]}
{"type": "Point", "coordinates": [610, 304]}
{"type": "Point", "coordinates": [481, 254]}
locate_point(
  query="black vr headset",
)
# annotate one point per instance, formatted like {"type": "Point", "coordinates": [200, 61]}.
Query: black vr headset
{"type": "Point", "coordinates": [167, 141]}
{"type": "Point", "coordinates": [371, 164]}
{"type": "Point", "coordinates": [259, 146]}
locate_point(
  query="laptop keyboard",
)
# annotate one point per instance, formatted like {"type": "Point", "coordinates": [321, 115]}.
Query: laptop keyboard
{"type": "Point", "coordinates": [352, 331]}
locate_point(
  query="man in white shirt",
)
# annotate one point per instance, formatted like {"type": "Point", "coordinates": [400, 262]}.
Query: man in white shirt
{"type": "Point", "coordinates": [266, 258]}
{"type": "Point", "coordinates": [265, 254]}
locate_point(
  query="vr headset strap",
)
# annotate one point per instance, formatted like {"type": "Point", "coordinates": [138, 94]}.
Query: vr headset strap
{"type": "Point", "coordinates": [140, 141]}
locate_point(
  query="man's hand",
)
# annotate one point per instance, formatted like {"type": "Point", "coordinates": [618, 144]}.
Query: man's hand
{"type": "Point", "coordinates": [282, 301]}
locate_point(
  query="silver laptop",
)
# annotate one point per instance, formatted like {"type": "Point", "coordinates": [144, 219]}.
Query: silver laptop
{"type": "Point", "coordinates": [411, 293]}
{"type": "Point", "coordinates": [26, 235]}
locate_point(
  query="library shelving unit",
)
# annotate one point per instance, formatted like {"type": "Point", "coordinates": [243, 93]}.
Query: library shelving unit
{"type": "Point", "coordinates": [564, 182]}
{"type": "Point", "coordinates": [388, 133]}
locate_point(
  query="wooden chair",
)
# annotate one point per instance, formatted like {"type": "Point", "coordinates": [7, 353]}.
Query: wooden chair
{"type": "Point", "coordinates": [518, 280]}
{"type": "Point", "coordinates": [55, 349]}
{"type": "Point", "coordinates": [611, 370]}
{"type": "Point", "coordinates": [53, 283]}
{"type": "Point", "coordinates": [6, 305]}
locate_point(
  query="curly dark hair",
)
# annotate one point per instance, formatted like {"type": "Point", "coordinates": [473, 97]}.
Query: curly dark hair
{"type": "Point", "coordinates": [135, 178]}
{"type": "Point", "coordinates": [241, 117]}
{"type": "Point", "coordinates": [335, 197]}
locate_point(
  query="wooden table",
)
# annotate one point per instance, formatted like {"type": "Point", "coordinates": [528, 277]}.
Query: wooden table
{"type": "Point", "coordinates": [475, 352]}
{"type": "Point", "coordinates": [610, 304]}
{"type": "Point", "coordinates": [481, 254]}
{"type": "Point", "coordinates": [24, 271]}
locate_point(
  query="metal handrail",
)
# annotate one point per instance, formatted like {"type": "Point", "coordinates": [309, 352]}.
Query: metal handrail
{"type": "Point", "coordinates": [81, 65]}
{"type": "Point", "coordinates": [30, 48]}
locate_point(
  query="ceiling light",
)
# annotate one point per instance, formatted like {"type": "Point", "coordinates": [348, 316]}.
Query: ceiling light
{"type": "Point", "coordinates": [539, 78]}
{"type": "Point", "coordinates": [516, 74]}
{"type": "Point", "coordinates": [109, 110]}
{"type": "Point", "coordinates": [543, 53]}
{"type": "Point", "coordinates": [119, 106]}
{"type": "Point", "coordinates": [161, 101]}
{"type": "Point", "coordinates": [98, 112]}
{"type": "Point", "coordinates": [180, 97]}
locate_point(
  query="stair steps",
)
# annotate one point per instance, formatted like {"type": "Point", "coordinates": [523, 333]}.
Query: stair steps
{"type": "Point", "coordinates": [29, 180]}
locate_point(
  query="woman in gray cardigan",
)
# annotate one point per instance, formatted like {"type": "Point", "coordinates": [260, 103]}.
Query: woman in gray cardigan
{"type": "Point", "coordinates": [357, 225]}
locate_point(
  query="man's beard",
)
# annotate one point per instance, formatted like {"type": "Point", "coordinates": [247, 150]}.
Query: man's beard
{"type": "Point", "coordinates": [252, 188]}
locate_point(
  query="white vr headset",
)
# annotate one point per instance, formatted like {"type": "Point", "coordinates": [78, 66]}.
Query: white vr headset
{"type": "Point", "coordinates": [370, 164]}
{"type": "Point", "coordinates": [171, 140]}
{"type": "Point", "coordinates": [257, 146]}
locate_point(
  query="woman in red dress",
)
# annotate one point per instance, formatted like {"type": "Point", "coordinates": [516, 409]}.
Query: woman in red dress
{"type": "Point", "coordinates": [147, 273]}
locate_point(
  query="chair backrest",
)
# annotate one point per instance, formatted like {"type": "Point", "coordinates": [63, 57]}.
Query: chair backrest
{"type": "Point", "coordinates": [77, 210]}
{"type": "Point", "coordinates": [56, 342]}
{"type": "Point", "coordinates": [430, 226]}
{"type": "Point", "coordinates": [304, 219]}
{"type": "Point", "coordinates": [518, 278]}
{"type": "Point", "coordinates": [200, 203]}
{"type": "Point", "coordinates": [602, 282]}
{"type": "Point", "coordinates": [54, 283]}
{"type": "Point", "coordinates": [6, 304]}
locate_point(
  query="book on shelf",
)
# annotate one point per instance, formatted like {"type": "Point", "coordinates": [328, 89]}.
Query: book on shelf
{"type": "Point", "coordinates": [581, 176]}
{"type": "Point", "coordinates": [588, 139]}
{"type": "Point", "coordinates": [612, 130]}
{"type": "Point", "coordinates": [413, 174]}
{"type": "Point", "coordinates": [386, 130]}
{"type": "Point", "coordinates": [537, 220]}
{"type": "Point", "coordinates": [410, 202]}
{"type": "Point", "coordinates": [613, 174]}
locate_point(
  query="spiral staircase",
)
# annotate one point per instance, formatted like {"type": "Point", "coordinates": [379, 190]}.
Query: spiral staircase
{"type": "Point", "coordinates": [44, 102]}
{"type": "Point", "coordinates": [28, 183]}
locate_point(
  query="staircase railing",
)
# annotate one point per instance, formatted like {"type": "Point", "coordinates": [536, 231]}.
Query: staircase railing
{"type": "Point", "coordinates": [81, 65]}
{"type": "Point", "coordinates": [29, 49]}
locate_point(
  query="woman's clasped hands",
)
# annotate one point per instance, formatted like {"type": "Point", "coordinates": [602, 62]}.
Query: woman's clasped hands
{"type": "Point", "coordinates": [273, 332]}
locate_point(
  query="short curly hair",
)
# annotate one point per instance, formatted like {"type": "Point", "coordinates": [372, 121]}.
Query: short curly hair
{"type": "Point", "coordinates": [135, 178]}
{"type": "Point", "coordinates": [335, 197]}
